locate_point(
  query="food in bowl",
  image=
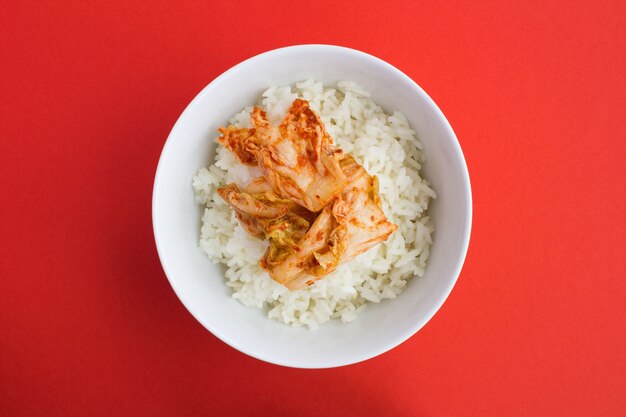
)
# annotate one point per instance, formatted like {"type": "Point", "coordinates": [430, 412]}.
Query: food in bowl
{"type": "Point", "coordinates": [329, 241]}
{"type": "Point", "coordinates": [314, 204]}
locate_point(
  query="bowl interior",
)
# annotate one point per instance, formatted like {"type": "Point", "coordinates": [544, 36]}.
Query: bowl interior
{"type": "Point", "coordinates": [199, 283]}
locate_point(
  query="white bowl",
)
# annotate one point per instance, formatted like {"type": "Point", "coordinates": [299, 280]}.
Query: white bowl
{"type": "Point", "coordinates": [200, 284]}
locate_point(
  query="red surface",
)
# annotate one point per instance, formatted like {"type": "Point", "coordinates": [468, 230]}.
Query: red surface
{"type": "Point", "coordinates": [536, 324]}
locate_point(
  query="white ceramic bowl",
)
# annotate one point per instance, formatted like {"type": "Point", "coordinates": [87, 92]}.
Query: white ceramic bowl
{"type": "Point", "coordinates": [200, 284]}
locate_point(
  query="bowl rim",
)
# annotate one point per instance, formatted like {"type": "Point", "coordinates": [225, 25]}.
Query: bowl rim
{"type": "Point", "coordinates": [392, 343]}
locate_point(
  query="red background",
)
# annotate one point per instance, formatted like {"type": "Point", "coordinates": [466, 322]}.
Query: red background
{"type": "Point", "coordinates": [536, 324]}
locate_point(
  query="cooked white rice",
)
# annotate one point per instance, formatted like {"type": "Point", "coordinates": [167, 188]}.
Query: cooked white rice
{"type": "Point", "coordinates": [388, 148]}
